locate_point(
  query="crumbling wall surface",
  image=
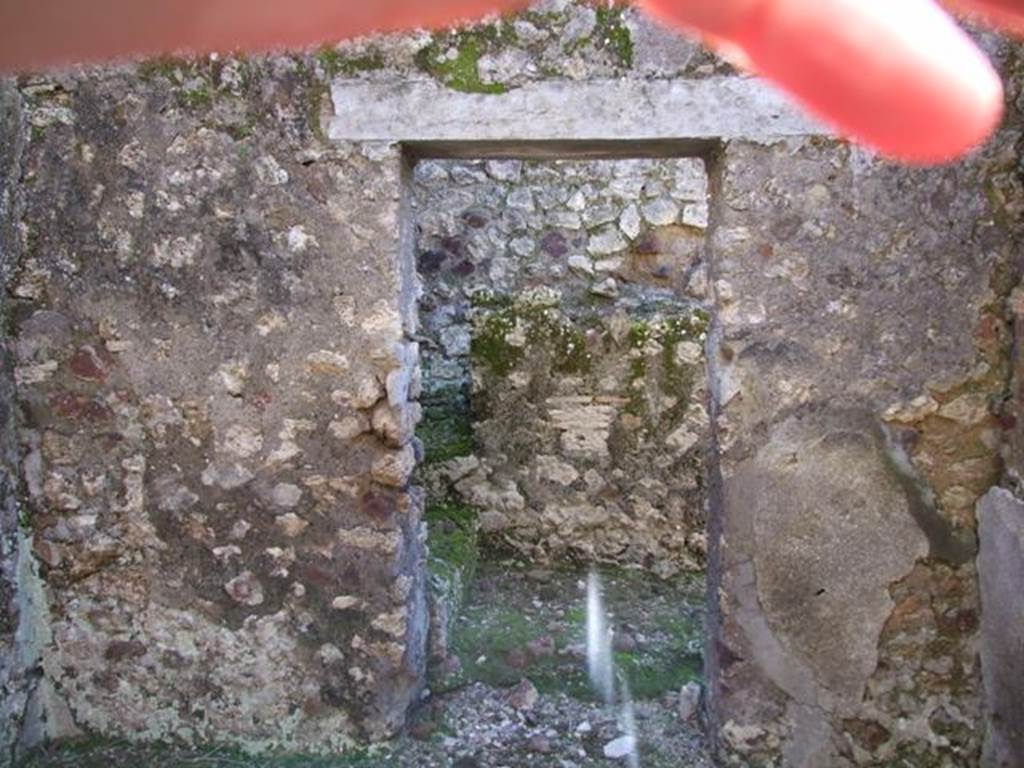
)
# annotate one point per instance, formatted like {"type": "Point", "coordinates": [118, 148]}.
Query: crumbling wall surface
{"type": "Point", "coordinates": [564, 384]}
{"type": "Point", "coordinates": [216, 396]}
{"type": "Point", "coordinates": [860, 356]}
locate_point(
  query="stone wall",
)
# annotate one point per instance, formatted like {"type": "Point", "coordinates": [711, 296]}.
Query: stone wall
{"type": "Point", "coordinates": [552, 40]}
{"type": "Point", "coordinates": [860, 362]}
{"type": "Point", "coordinates": [210, 326]}
{"type": "Point", "coordinates": [563, 353]}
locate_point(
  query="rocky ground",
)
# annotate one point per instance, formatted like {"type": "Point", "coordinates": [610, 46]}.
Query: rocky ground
{"type": "Point", "coordinates": [515, 692]}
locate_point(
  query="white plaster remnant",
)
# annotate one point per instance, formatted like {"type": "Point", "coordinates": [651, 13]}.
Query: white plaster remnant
{"type": "Point", "coordinates": [299, 240]}
{"type": "Point", "coordinates": [242, 440]}
{"type": "Point", "coordinates": [233, 376]}
{"type": "Point", "coordinates": [917, 409]}
{"type": "Point", "coordinates": [178, 252]}
{"type": "Point", "coordinates": [226, 476]}
{"type": "Point", "coordinates": [269, 171]}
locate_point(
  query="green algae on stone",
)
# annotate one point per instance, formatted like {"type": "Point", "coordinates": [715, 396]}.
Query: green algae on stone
{"type": "Point", "coordinates": [100, 753]}
{"type": "Point", "coordinates": [335, 62]}
{"type": "Point", "coordinates": [446, 429]}
{"type": "Point", "coordinates": [462, 72]}
{"type": "Point", "coordinates": [452, 538]}
{"type": "Point", "coordinates": [524, 627]}
{"type": "Point", "coordinates": [659, 339]}
{"type": "Point", "coordinates": [502, 336]}
{"type": "Point", "coordinates": [610, 33]}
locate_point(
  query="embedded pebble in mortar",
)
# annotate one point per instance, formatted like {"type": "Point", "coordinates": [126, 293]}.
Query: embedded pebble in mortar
{"type": "Point", "coordinates": [291, 525]}
{"type": "Point", "coordinates": [620, 748]}
{"type": "Point", "coordinates": [286, 495]}
{"type": "Point", "coordinates": [246, 589]}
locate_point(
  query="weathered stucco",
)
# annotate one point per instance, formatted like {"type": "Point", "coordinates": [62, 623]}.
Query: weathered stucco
{"type": "Point", "coordinates": [201, 316]}
{"type": "Point", "coordinates": [850, 293]}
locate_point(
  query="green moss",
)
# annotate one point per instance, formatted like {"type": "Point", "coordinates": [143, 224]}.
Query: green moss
{"type": "Point", "coordinates": [489, 299]}
{"type": "Point", "coordinates": [167, 67]}
{"type": "Point", "coordinates": [908, 756]}
{"type": "Point", "coordinates": [494, 632]}
{"type": "Point", "coordinates": [486, 638]}
{"type": "Point", "coordinates": [537, 325]}
{"type": "Point", "coordinates": [612, 33]}
{"type": "Point", "coordinates": [453, 540]}
{"type": "Point", "coordinates": [100, 753]}
{"type": "Point", "coordinates": [334, 62]}
{"type": "Point", "coordinates": [652, 673]}
{"type": "Point", "coordinates": [195, 98]}
{"type": "Point", "coordinates": [490, 345]}
{"type": "Point", "coordinates": [462, 73]}
{"type": "Point", "coordinates": [194, 82]}
{"type": "Point", "coordinates": [447, 428]}
{"type": "Point", "coordinates": [658, 340]}
{"type": "Point", "coordinates": [316, 91]}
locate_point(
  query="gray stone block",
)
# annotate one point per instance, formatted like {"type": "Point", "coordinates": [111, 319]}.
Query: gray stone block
{"type": "Point", "coordinates": [1001, 571]}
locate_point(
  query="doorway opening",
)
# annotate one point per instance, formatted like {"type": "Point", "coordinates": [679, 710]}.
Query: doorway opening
{"type": "Point", "coordinates": [562, 326]}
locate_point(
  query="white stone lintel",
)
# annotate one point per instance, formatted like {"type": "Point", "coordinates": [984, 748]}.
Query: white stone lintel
{"type": "Point", "coordinates": [622, 110]}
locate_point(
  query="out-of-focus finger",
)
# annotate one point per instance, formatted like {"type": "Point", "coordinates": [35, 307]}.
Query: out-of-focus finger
{"type": "Point", "coordinates": [1007, 14]}
{"type": "Point", "coordinates": [898, 76]}
{"type": "Point", "coordinates": [46, 33]}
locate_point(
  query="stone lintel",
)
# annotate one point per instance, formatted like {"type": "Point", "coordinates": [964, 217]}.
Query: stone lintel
{"type": "Point", "coordinates": [555, 117]}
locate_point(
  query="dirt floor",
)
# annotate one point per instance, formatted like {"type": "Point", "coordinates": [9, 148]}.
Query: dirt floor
{"type": "Point", "coordinates": [515, 691]}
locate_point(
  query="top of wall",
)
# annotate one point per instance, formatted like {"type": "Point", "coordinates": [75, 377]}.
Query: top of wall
{"type": "Point", "coordinates": [560, 71]}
